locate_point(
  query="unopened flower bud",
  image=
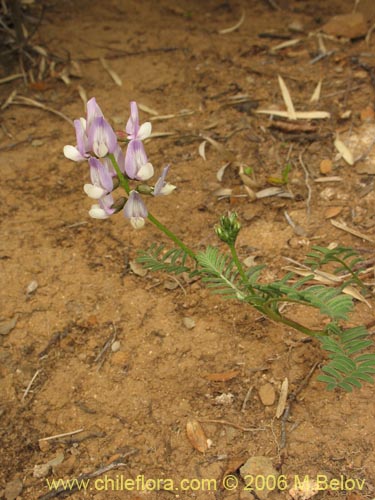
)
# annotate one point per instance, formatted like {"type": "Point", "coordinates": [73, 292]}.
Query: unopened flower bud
{"type": "Point", "coordinates": [144, 189]}
{"type": "Point", "coordinates": [229, 228]}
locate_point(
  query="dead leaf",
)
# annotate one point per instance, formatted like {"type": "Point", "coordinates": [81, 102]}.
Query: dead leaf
{"type": "Point", "coordinates": [146, 109]}
{"type": "Point", "coordinates": [225, 192]}
{"type": "Point", "coordinates": [111, 73]}
{"type": "Point", "coordinates": [233, 28]}
{"type": "Point", "coordinates": [350, 290]}
{"type": "Point", "coordinates": [316, 94]}
{"type": "Point", "coordinates": [344, 151]}
{"type": "Point", "coordinates": [331, 212]}
{"type": "Point", "coordinates": [225, 153]}
{"type": "Point", "coordinates": [284, 45]}
{"type": "Point", "coordinates": [220, 172]}
{"type": "Point", "coordinates": [287, 99]}
{"type": "Point", "coordinates": [272, 191]}
{"type": "Point", "coordinates": [137, 268]}
{"type": "Point", "coordinates": [223, 376]}
{"type": "Point", "coordinates": [202, 150]}
{"type": "Point", "coordinates": [196, 435]}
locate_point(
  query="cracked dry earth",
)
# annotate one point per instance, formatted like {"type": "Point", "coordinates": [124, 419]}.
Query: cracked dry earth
{"type": "Point", "coordinates": [178, 354]}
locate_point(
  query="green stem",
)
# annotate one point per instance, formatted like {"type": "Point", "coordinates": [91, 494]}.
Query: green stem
{"type": "Point", "coordinates": [237, 262]}
{"type": "Point", "coordinates": [289, 322]}
{"type": "Point", "coordinates": [171, 235]}
{"type": "Point", "coordinates": [121, 177]}
{"type": "Point", "coordinates": [124, 183]}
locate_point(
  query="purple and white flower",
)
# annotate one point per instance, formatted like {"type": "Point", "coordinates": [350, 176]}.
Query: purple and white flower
{"type": "Point", "coordinates": [135, 210]}
{"type": "Point", "coordinates": [101, 137]}
{"type": "Point", "coordinates": [162, 187]}
{"type": "Point", "coordinates": [93, 134]}
{"type": "Point", "coordinates": [102, 174]}
{"type": "Point", "coordinates": [137, 165]}
{"type": "Point", "coordinates": [103, 209]}
{"type": "Point", "coordinates": [134, 131]}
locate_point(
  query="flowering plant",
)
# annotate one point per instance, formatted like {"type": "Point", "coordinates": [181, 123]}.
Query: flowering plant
{"type": "Point", "coordinates": [110, 169]}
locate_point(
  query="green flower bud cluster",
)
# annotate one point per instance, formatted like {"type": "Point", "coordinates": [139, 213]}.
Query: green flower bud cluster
{"type": "Point", "coordinates": [229, 228]}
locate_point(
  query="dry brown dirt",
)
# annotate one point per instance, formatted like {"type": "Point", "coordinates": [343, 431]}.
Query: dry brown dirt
{"type": "Point", "coordinates": [133, 405]}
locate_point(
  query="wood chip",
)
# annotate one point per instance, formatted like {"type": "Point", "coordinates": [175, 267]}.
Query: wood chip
{"type": "Point", "coordinates": [354, 232]}
{"type": "Point", "coordinates": [196, 435]}
{"type": "Point", "coordinates": [300, 115]}
{"type": "Point", "coordinates": [282, 398]}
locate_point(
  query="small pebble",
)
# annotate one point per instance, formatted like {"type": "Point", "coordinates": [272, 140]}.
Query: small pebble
{"type": "Point", "coordinates": [325, 167]}
{"type": "Point", "coordinates": [31, 287]}
{"type": "Point", "coordinates": [189, 323]}
{"type": "Point", "coordinates": [116, 346]}
{"type": "Point", "coordinates": [13, 489]}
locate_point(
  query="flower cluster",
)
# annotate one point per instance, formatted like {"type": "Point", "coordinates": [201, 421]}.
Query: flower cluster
{"type": "Point", "coordinates": [109, 168]}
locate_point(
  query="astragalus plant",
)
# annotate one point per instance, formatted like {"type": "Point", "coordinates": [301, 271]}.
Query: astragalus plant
{"type": "Point", "coordinates": [113, 171]}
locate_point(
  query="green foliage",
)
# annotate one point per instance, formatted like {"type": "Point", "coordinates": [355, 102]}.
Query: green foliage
{"type": "Point", "coordinates": [347, 368]}
{"type": "Point", "coordinates": [344, 259]}
{"type": "Point", "coordinates": [170, 261]}
{"type": "Point", "coordinates": [285, 173]}
{"type": "Point", "coordinates": [220, 273]}
{"type": "Point", "coordinates": [328, 300]}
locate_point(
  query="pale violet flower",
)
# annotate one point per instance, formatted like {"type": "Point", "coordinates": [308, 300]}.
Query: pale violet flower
{"type": "Point", "coordinates": [103, 209]}
{"type": "Point", "coordinates": [93, 134]}
{"type": "Point", "coordinates": [79, 152]}
{"type": "Point", "coordinates": [134, 131]}
{"type": "Point", "coordinates": [101, 173]}
{"type": "Point", "coordinates": [137, 165]}
{"type": "Point", "coordinates": [101, 137]}
{"type": "Point", "coordinates": [135, 210]}
{"type": "Point", "coordinates": [162, 187]}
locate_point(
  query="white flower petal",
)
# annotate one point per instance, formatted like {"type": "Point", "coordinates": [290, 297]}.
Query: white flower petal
{"type": "Point", "coordinates": [167, 189]}
{"type": "Point", "coordinates": [145, 172]}
{"type": "Point", "coordinates": [144, 131]}
{"type": "Point", "coordinates": [72, 153]}
{"type": "Point", "coordinates": [137, 222]}
{"type": "Point", "coordinates": [94, 192]}
{"type": "Point", "coordinates": [96, 212]}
